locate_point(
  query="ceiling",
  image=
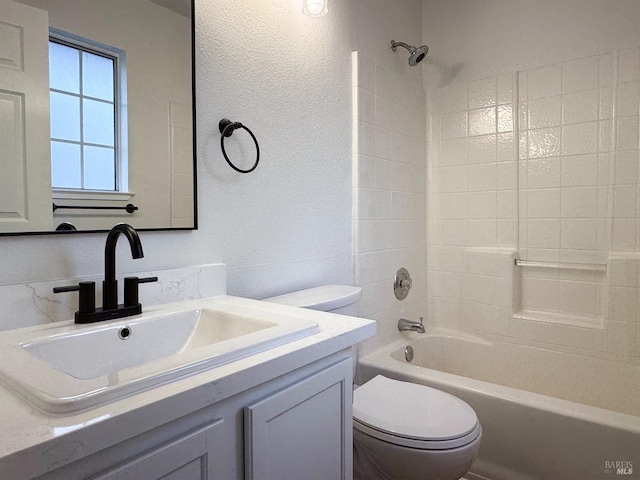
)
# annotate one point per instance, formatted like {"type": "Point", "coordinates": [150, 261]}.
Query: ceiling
{"type": "Point", "coordinates": [182, 7]}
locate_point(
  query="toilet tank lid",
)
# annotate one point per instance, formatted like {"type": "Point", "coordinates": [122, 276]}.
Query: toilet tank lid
{"type": "Point", "coordinates": [325, 298]}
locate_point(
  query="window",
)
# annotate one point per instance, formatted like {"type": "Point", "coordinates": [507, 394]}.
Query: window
{"type": "Point", "coordinates": [87, 116]}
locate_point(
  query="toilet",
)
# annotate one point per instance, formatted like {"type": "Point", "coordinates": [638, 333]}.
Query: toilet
{"type": "Point", "coordinates": [401, 430]}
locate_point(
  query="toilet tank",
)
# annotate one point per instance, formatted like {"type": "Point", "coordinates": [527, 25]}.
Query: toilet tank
{"type": "Point", "coordinates": [342, 299]}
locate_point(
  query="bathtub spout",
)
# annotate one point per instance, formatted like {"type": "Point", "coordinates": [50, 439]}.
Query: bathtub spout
{"type": "Point", "coordinates": [409, 325]}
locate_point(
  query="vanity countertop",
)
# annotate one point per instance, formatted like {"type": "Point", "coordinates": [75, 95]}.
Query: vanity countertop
{"type": "Point", "coordinates": [33, 442]}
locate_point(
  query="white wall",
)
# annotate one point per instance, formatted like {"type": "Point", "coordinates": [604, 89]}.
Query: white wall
{"type": "Point", "coordinates": [288, 77]}
{"type": "Point", "coordinates": [484, 38]}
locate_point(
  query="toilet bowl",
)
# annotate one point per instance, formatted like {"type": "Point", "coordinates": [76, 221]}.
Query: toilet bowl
{"type": "Point", "coordinates": [405, 431]}
{"type": "Point", "coordinates": [401, 430]}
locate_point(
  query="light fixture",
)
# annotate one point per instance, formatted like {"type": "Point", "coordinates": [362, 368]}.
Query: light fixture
{"type": "Point", "coordinates": [315, 8]}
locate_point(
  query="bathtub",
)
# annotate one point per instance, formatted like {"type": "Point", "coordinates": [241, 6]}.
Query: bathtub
{"type": "Point", "coordinates": [545, 415]}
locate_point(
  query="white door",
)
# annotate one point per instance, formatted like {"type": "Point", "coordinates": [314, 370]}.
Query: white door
{"type": "Point", "coordinates": [25, 165]}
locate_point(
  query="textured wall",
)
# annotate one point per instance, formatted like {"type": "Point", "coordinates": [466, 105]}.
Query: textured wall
{"type": "Point", "coordinates": [288, 77]}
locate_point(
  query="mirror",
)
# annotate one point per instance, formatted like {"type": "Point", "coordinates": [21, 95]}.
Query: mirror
{"type": "Point", "coordinates": [97, 115]}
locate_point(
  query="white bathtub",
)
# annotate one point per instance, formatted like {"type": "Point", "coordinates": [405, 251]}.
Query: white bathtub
{"type": "Point", "coordinates": [545, 415]}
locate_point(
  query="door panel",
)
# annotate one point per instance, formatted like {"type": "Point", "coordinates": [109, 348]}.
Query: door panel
{"type": "Point", "coordinates": [25, 166]}
{"type": "Point", "coordinates": [302, 432]}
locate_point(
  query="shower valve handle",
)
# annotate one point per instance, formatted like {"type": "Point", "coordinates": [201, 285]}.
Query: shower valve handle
{"type": "Point", "coordinates": [402, 284]}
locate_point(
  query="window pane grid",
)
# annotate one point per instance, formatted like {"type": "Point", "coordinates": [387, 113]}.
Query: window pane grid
{"type": "Point", "coordinates": [88, 97]}
{"type": "Point", "coordinates": [88, 144]}
{"type": "Point", "coordinates": [97, 155]}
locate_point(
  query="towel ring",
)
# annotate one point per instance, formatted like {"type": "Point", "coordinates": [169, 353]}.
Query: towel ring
{"type": "Point", "coordinates": [227, 127]}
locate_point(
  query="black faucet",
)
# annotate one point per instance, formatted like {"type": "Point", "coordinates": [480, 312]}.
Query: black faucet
{"type": "Point", "coordinates": [87, 312]}
{"type": "Point", "coordinates": [110, 284]}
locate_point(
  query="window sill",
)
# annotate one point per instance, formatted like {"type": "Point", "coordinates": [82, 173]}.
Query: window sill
{"type": "Point", "coordinates": [93, 195]}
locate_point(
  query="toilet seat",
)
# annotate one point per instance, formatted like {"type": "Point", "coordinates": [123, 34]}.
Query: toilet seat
{"type": "Point", "coordinates": [419, 444]}
{"type": "Point", "coordinates": [413, 415]}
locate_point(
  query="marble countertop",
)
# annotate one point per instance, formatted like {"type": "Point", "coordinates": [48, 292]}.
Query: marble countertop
{"type": "Point", "coordinates": [33, 442]}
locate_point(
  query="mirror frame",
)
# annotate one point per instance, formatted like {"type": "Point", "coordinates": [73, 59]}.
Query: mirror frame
{"type": "Point", "coordinates": [195, 161]}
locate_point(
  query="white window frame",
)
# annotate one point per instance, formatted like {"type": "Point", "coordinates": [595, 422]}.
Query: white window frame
{"type": "Point", "coordinates": [121, 126]}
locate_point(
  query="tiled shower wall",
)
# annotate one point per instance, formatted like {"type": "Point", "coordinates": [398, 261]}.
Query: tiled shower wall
{"type": "Point", "coordinates": [472, 205]}
{"type": "Point", "coordinates": [539, 165]}
{"type": "Point", "coordinates": [565, 142]}
{"type": "Point", "coordinates": [389, 193]}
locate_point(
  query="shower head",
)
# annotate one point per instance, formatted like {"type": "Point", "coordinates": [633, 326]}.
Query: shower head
{"type": "Point", "coordinates": [416, 54]}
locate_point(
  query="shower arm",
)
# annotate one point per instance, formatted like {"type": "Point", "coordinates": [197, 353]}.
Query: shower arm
{"type": "Point", "coordinates": [395, 45]}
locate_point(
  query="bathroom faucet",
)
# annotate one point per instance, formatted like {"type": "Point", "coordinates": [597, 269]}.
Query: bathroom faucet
{"type": "Point", "coordinates": [409, 325]}
{"type": "Point", "coordinates": [110, 284]}
{"type": "Point", "coordinates": [87, 311]}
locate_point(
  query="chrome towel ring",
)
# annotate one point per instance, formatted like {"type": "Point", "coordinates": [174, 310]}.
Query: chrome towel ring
{"type": "Point", "coordinates": [227, 127]}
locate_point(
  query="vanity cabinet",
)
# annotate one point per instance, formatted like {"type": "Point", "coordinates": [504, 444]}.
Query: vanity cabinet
{"type": "Point", "coordinates": [297, 426]}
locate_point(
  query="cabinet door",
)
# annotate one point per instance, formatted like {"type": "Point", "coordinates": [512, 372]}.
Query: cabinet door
{"type": "Point", "coordinates": [302, 432]}
{"type": "Point", "coordinates": [185, 458]}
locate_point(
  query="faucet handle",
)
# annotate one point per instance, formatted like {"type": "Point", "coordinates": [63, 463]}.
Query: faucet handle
{"type": "Point", "coordinates": [68, 288]}
{"type": "Point", "coordinates": [131, 297]}
{"type": "Point", "coordinates": [87, 297]}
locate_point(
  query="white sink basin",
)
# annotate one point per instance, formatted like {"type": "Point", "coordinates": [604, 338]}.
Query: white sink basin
{"type": "Point", "coordinates": [110, 348]}
{"type": "Point", "coordinates": [66, 367]}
